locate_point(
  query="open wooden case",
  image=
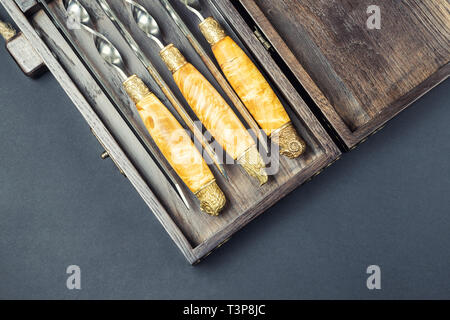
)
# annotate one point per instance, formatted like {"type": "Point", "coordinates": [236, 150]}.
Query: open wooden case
{"type": "Point", "coordinates": [352, 79]}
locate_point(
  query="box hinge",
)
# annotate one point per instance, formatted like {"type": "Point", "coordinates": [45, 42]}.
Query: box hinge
{"type": "Point", "coordinates": [262, 38]}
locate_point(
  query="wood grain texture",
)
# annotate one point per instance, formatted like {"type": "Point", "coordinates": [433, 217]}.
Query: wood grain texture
{"type": "Point", "coordinates": [174, 142]}
{"type": "Point", "coordinates": [25, 56]}
{"type": "Point", "coordinates": [361, 73]}
{"type": "Point", "coordinates": [250, 85]}
{"type": "Point", "coordinates": [108, 141]}
{"type": "Point", "coordinates": [213, 111]}
{"type": "Point", "coordinates": [195, 233]}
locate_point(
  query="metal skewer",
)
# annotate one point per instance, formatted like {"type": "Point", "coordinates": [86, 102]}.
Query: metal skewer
{"type": "Point", "coordinates": [201, 87]}
{"type": "Point", "coordinates": [213, 68]}
{"type": "Point", "coordinates": [161, 164]}
{"type": "Point", "coordinates": [195, 7]}
{"type": "Point", "coordinates": [231, 57]}
{"type": "Point", "coordinates": [154, 73]}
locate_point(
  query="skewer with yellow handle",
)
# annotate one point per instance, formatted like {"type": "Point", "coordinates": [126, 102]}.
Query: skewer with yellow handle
{"type": "Point", "coordinates": [215, 114]}
{"type": "Point", "coordinates": [253, 89]}
{"type": "Point", "coordinates": [176, 146]}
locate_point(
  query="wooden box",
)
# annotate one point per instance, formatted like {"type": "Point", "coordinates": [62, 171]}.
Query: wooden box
{"type": "Point", "coordinates": [352, 79]}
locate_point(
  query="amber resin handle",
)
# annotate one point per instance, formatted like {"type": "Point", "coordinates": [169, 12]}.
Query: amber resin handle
{"type": "Point", "coordinates": [253, 89]}
{"type": "Point", "coordinates": [176, 146]}
{"type": "Point", "coordinates": [214, 112]}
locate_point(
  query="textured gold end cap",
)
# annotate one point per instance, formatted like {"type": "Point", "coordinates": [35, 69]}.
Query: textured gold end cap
{"type": "Point", "coordinates": [7, 31]}
{"type": "Point", "coordinates": [253, 164]}
{"type": "Point", "coordinates": [173, 58]}
{"type": "Point", "coordinates": [291, 145]}
{"type": "Point", "coordinates": [212, 199]}
{"type": "Point", "coordinates": [212, 30]}
{"type": "Point", "coordinates": [136, 88]}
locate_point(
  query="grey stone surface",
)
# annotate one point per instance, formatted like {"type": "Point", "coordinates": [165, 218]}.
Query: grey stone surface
{"type": "Point", "coordinates": [386, 203]}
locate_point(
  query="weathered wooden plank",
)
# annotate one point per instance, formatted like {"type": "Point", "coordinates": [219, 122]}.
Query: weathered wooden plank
{"type": "Point", "coordinates": [364, 75]}
{"type": "Point", "coordinates": [26, 57]}
{"type": "Point", "coordinates": [27, 6]}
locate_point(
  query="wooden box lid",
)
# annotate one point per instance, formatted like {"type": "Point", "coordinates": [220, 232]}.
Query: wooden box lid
{"type": "Point", "coordinates": [357, 76]}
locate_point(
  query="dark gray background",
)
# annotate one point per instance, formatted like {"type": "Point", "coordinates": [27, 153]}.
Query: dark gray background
{"type": "Point", "coordinates": [386, 203]}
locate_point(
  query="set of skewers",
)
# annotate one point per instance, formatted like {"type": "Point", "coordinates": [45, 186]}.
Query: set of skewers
{"type": "Point", "coordinates": [256, 101]}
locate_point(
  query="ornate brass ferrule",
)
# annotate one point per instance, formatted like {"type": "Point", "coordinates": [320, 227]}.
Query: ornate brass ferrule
{"type": "Point", "coordinates": [136, 88]}
{"type": "Point", "coordinates": [254, 165]}
{"type": "Point", "coordinates": [212, 199]}
{"type": "Point", "coordinates": [291, 145]}
{"type": "Point", "coordinates": [212, 30]}
{"type": "Point", "coordinates": [173, 58]}
{"type": "Point", "coordinates": [7, 31]}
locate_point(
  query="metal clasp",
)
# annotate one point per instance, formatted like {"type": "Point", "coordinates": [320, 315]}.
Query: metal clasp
{"type": "Point", "coordinates": [105, 154]}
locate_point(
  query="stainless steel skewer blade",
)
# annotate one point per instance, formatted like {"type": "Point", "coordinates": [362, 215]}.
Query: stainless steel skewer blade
{"type": "Point", "coordinates": [195, 7]}
{"type": "Point", "coordinates": [105, 48]}
{"type": "Point", "coordinates": [146, 22]}
{"type": "Point", "coordinates": [110, 54]}
{"type": "Point", "coordinates": [161, 83]}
